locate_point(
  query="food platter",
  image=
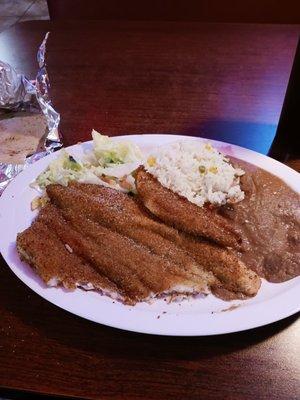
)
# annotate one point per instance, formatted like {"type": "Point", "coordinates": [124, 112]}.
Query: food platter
{"type": "Point", "coordinates": [192, 317]}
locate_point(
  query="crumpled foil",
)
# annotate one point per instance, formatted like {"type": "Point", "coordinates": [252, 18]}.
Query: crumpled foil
{"type": "Point", "coordinates": [17, 93]}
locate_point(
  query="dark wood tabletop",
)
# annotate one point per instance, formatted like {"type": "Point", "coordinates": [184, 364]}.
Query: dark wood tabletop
{"type": "Point", "coordinates": [223, 81]}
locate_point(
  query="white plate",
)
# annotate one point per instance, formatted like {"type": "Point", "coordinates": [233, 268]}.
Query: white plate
{"type": "Point", "coordinates": [201, 316]}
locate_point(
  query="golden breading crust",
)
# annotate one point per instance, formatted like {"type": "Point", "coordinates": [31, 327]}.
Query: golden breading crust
{"type": "Point", "coordinates": [181, 214]}
{"type": "Point", "coordinates": [121, 213]}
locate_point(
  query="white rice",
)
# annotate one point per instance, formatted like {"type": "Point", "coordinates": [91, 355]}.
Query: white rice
{"type": "Point", "coordinates": [197, 171]}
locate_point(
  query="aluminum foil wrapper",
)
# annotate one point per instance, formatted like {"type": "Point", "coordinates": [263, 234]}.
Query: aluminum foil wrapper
{"type": "Point", "coordinates": [18, 94]}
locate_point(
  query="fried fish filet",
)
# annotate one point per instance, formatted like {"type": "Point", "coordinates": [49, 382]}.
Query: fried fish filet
{"type": "Point", "coordinates": [123, 214]}
{"type": "Point", "coordinates": [119, 212]}
{"type": "Point", "coordinates": [178, 212]}
{"type": "Point", "coordinates": [47, 254]}
{"type": "Point", "coordinates": [236, 278]}
{"type": "Point", "coordinates": [132, 267]}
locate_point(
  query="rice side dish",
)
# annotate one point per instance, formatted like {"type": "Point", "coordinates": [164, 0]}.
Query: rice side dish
{"type": "Point", "coordinates": [197, 171]}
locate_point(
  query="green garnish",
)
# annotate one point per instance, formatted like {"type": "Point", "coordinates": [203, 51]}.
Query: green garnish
{"type": "Point", "coordinates": [72, 164]}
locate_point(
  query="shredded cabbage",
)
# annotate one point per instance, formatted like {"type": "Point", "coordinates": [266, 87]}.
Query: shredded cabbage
{"type": "Point", "coordinates": [109, 152]}
{"type": "Point", "coordinates": [61, 170]}
{"type": "Point", "coordinates": [110, 163]}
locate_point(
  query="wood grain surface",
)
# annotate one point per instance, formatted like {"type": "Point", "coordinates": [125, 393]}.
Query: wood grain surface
{"type": "Point", "coordinates": [220, 81]}
{"type": "Point", "coordinates": [255, 11]}
{"type": "Point", "coordinates": [223, 81]}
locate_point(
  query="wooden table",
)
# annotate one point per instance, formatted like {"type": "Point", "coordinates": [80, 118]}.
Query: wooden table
{"type": "Point", "coordinates": [213, 80]}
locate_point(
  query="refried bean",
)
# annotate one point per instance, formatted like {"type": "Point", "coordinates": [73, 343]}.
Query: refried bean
{"type": "Point", "coordinates": [269, 221]}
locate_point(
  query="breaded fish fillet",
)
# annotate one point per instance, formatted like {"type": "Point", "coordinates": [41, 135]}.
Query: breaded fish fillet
{"type": "Point", "coordinates": [43, 250]}
{"type": "Point", "coordinates": [119, 212]}
{"type": "Point", "coordinates": [122, 213]}
{"type": "Point", "coordinates": [181, 214]}
{"type": "Point", "coordinates": [225, 265]}
{"type": "Point", "coordinates": [132, 267]}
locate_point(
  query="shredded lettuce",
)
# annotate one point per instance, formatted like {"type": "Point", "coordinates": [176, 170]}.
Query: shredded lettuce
{"type": "Point", "coordinates": [109, 152]}
{"type": "Point", "coordinates": [108, 159]}
{"type": "Point", "coordinates": [61, 170]}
